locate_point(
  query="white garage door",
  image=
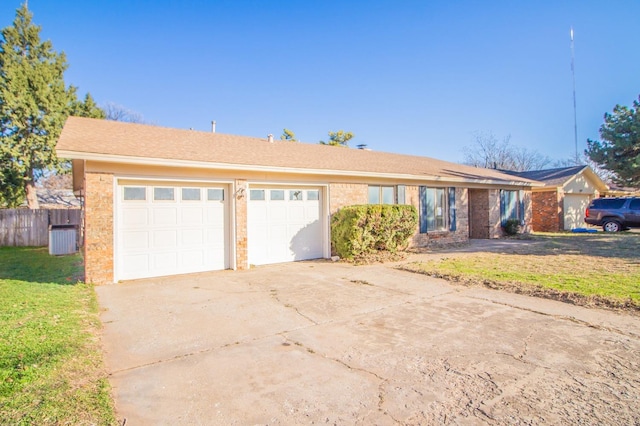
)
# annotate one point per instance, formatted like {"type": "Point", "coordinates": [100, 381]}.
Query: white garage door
{"type": "Point", "coordinates": [284, 224]}
{"type": "Point", "coordinates": [167, 229]}
{"type": "Point", "coordinates": [575, 206]}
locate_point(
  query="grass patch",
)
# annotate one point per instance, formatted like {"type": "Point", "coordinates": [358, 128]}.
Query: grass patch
{"type": "Point", "coordinates": [51, 368]}
{"type": "Point", "coordinates": [601, 269]}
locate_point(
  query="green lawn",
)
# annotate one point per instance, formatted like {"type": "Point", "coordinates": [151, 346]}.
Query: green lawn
{"type": "Point", "coordinates": [51, 369]}
{"type": "Point", "coordinates": [597, 268]}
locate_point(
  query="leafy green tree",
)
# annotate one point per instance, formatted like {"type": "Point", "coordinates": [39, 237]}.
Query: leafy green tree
{"type": "Point", "coordinates": [339, 138]}
{"type": "Point", "coordinates": [288, 135]}
{"type": "Point", "coordinates": [34, 103]}
{"type": "Point", "coordinates": [619, 149]}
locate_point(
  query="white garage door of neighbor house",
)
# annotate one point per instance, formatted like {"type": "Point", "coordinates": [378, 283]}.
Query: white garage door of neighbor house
{"type": "Point", "coordinates": [167, 229]}
{"type": "Point", "coordinates": [284, 225]}
{"type": "Point", "coordinates": [575, 206]}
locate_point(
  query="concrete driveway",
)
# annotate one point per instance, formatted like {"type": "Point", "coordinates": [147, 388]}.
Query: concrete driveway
{"type": "Point", "coordinates": [330, 343]}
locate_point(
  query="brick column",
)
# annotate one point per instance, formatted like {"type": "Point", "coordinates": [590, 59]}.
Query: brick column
{"type": "Point", "coordinates": [495, 225]}
{"type": "Point", "coordinates": [98, 225]}
{"type": "Point", "coordinates": [240, 199]}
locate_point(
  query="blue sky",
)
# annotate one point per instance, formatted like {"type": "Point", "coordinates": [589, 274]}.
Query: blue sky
{"type": "Point", "coordinates": [415, 77]}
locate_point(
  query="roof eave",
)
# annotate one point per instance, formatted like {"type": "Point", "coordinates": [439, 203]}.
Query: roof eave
{"type": "Point", "coordinates": [110, 158]}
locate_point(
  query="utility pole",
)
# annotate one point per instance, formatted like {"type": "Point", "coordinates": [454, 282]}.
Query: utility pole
{"type": "Point", "coordinates": [575, 115]}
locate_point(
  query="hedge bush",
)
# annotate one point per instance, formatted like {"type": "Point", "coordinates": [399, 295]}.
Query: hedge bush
{"type": "Point", "coordinates": [511, 227]}
{"type": "Point", "coordinates": [358, 231]}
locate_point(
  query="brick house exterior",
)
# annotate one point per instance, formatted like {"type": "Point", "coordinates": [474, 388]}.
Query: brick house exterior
{"type": "Point", "coordinates": [559, 204]}
{"type": "Point", "coordinates": [110, 157]}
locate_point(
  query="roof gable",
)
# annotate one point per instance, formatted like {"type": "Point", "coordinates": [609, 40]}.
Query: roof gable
{"type": "Point", "coordinates": [102, 140]}
{"type": "Point", "coordinates": [561, 176]}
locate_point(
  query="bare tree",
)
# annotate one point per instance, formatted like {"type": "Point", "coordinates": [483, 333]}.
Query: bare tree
{"type": "Point", "coordinates": [491, 153]}
{"type": "Point", "coordinates": [117, 112]}
{"type": "Point", "coordinates": [57, 181]}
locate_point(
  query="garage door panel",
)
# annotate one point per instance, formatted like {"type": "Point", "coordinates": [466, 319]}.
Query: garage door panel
{"type": "Point", "coordinates": [135, 264]}
{"type": "Point", "coordinates": [212, 238]}
{"type": "Point", "coordinates": [191, 237]}
{"type": "Point", "coordinates": [277, 212]}
{"type": "Point", "coordinates": [278, 232]}
{"type": "Point", "coordinates": [136, 240]}
{"type": "Point", "coordinates": [181, 234]}
{"type": "Point", "coordinates": [304, 244]}
{"type": "Point", "coordinates": [164, 239]}
{"type": "Point", "coordinates": [136, 217]}
{"type": "Point", "coordinates": [312, 211]}
{"type": "Point", "coordinates": [212, 215]}
{"type": "Point", "coordinates": [163, 216]}
{"type": "Point", "coordinates": [164, 262]}
{"type": "Point", "coordinates": [192, 258]}
{"type": "Point", "coordinates": [192, 216]}
{"type": "Point", "coordinates": [297, 213]}
{"type": "Point", "coordinates": [285, 229]}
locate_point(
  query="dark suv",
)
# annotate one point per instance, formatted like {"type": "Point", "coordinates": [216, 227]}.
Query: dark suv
{"type": "Point", "coordinates": [614, 214]}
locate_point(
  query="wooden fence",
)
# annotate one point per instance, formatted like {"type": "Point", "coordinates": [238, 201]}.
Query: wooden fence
{"type": "Point", "coordinates": [24, 227]}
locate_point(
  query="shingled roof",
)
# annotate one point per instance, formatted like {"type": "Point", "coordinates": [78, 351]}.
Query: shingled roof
{"type": "Point", "coordinates": [551, 177]}
{"type": "Point", "coordinates": [103, 140]}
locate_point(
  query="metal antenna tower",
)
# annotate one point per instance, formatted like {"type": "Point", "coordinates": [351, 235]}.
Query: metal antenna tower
{"type": "Point", "coordinates": [575, 115]}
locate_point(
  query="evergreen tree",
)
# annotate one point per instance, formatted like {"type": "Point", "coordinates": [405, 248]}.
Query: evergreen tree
{"type": "Point", "coordinates": [87, 108]}
{"type": "Point", "coordinates": [288, 135]}
{"type": "Point", "coordinates": [339, 138]}
{"type": "Point", "coordinates": [34, 103]}
{"type": "Point", "coordinates": [619, 150]}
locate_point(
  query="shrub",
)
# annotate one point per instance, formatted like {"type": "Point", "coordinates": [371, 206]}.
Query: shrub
{"type": "Point", "coordinates": [511, 227]}
{"type": "Point", "coordinates": [357, 231]}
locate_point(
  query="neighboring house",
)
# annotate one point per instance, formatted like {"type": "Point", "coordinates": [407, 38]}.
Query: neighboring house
{"type": "Point", "coordinates": [162, 201]}
{"type": "Point", "coordinates": [561, 203]}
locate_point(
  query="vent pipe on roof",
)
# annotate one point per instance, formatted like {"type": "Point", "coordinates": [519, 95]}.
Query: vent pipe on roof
{"type": "Point", "coordinates": [270, 138]}
{"type": "Point", "coordinates": [213, 126]}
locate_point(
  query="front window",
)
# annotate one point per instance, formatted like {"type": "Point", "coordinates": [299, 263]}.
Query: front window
{"type": "Point", "coordinates": [381, 194]}
{"type": "Point", "coordinates": [510, 206]}
{"type": "Point", "coordinates": [433, 209]}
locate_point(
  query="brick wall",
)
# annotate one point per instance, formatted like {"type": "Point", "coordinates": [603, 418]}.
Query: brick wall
{"type": "Point", "coordinates": [98, 213]}
{"type": "Point", "coordinates": [241, 197]}
{"type": "Point", "coordinates": [547, 211]}
{"type": "Point", "coordinates": [347, 194]}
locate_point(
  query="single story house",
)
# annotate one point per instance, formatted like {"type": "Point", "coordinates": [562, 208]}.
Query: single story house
{"type": "Point", "coordinates": [561, 203]}
{"type": "Point", "coordinates": [161, 201]}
